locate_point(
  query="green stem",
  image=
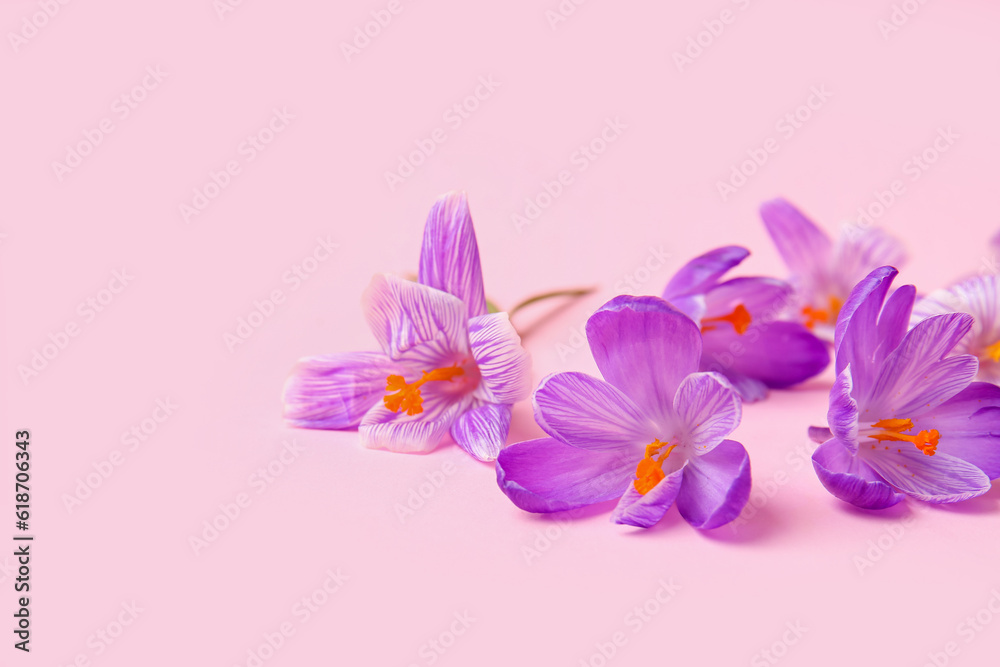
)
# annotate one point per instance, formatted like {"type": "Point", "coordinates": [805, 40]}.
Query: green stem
{"type": "Point", "coordinates": [573, 293]}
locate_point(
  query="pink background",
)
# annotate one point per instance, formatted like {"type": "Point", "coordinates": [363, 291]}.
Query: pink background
{"type": "Point", "coordinates": [541, 591]}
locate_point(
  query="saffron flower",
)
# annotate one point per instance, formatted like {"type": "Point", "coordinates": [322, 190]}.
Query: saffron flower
{"type": "Point", "coordinates": [743, 339]}
{"type": "Point", "coordinates": [445, 366]}
{"type": "Point", "coordinates": [980, 297]}
{"type": "Point", "coordinates": [905, 417]}
{"type": "Point", "coordinates": [824, 272]}
{"type": "Point", "coordinates": [651, 433]}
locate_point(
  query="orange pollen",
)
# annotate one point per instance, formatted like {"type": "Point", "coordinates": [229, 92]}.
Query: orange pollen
{"type": "Point", "coordinates": [814, 316]}
{"type": "Point", "coordinates": [892, 430]}
{"type": "Point", "coordinates": [739, 318]}
{"type": "Point", "coordinates": [407, 396]}
{"type": "Point", "coordinates": [649, 472]}
{"type": "Point", "coordinates": [993, 351]}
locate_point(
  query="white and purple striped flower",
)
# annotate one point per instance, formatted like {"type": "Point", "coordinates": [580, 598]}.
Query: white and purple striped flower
{"type": "Point", "coordinates": [446, 365]}
{"type": "Point", "coordinates": [823, 272]}
{"type": "Point", "coordinates": [905, 417]}
{"type": "Point", "coordinates": [743, 339]}
{"type": "Point", "coordinates": [652, 433]}
{"type": "Point", "coordinates": [980, 297]}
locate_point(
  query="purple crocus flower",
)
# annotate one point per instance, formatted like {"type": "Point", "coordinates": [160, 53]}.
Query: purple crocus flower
{"type": "Point", "coordinates": [905, 418]}
{"type": "Point", "coordinates": [445, 365]}
{"type": "Point", "coordinates": [980, 297]}
{"type": "Point", "coordinates": [738, 318]}
{"type": "Point", "coordinates": [824, 272]}
{"type": "Point", "coordinates": [651, 433]}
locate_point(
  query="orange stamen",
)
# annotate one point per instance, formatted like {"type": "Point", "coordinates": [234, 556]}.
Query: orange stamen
{"type": "Point", "coordinates": [993, 351]}
{"type": "Point", "coordinates": [649, 472]}
{"type": "Point", "coordinates": [407, 396]}
{"type": "Point", "coordinates": [925, 441]}
{"type": "Point", "coordinates": [814, 316]}
{"type": "Point", "coordinates": [740, 319]}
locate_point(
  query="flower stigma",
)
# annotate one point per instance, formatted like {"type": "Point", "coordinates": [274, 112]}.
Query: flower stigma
{"type": "Point", "coordinates": [740, 319]}
{"type": "Point", "coordinates": [649, 472]}
{"type": "Point", "coordinates": [407, 396]}
{"type": "Point", "coordinates": [814, 316]}
{"type": "Point", "coordinates": [892, 431]}
{"type": "Point", "coordinates": [993, 351]}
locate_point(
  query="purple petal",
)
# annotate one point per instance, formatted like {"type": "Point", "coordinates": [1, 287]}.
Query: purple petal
{"type": "Point", "coordinates": [969, 425]}
{"type": "Point", "coordinates": [778, 354]}
{"type": "Point", "coordinates": [400, 432]}
{"type": "Point", "coordinates": [856, 339]}
{"type": "Point", "coordinates": [914, 376]}
{"type": "Point", "coordinates": [802, 244]}
{"type": "Point", "coordinates": [859, 250]}
{"type": "Point", "coordinates": [482, 430]}
{"type": "Point", "coordinates": [546, 475]}
{"type": "Point", "coordinates": [335, 391]}
{"type": "Point", "coordinates": [716, 486]}
{"type": "Point", "coordinates": [702, 272]}
{"type": "Point", "coordinates": [851, 480]}
{"type": "Point", "coordinates": [643, 511]}
{"type": "Point", "coordinates": [980, 297]}
{"type": "Point", "coordinates": [843, 414]}
{"type": "Point", "coordinates": [504, 365]}
{"type": "Point", "coordinates": [893, 323]}
{"type": "Point", "coordinates": [449, 257]}
{"type": "Point", "coordinates": [749, 389]}
{"type": "Point", "coordinates": [586, 412]}
{"type": "Point", "coordinates": [708, 409]}
{"type": "Point", "coordinates": [644, 347]}
{"type": "Point", "coordinates": [764, 298]}
{"type": "Point", "coordinates": [936, 479]}
{"type": "Point", "coordinates": [819, 434]}
{"type": "Point", "coordinates": [419, 323]}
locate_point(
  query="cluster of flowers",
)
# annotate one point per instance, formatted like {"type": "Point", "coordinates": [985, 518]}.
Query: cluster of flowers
{"type": "Point", "coordinates": [907, 415]}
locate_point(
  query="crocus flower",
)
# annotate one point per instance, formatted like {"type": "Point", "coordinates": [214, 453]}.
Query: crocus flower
{"type": "Point", "coordinates": [824, 272]}
{"type": "Point", "coordinates": [743, 339]}
{"type": "Point", "coordinates": [445, 364]}
{"type": "Point", "coordinates": [651, 433]}
{"type": "Point", "coordinates": [980, 297]}
{"type": "Point", "coordinates": [905, 417]}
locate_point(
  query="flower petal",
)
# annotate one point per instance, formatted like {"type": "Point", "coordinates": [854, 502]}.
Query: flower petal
{"type": "Point", "coordinates": [399, 432]}
{"type": "Point", "coordinates": [643, 511]}
{"type": "Point", "coordinates": [449, 257]}
{"type": "Point", "coordinates": [969, 425]}
{"type": "Point", "coordinates": [893, 323]}
{"type": "Point", "coordinates": [644, 347]}
{"type": "Point", "coordinates": [764, 298]}
{"type": "Point", "coordinates": [850, 479]}
{"type": "Point", "coordinates": [978, 296]}
{"type": "Point", "coordinates": [856, 339]}
{"type": "Point", "coordinates": [546, 475]}
{"type": "Point", "coordinates": [416, 322]}
{"type": "Point", "coordinates": [802, 244]}
{"type": "Point", "coordinates": [482, 430]}
{"type": "Point", "coordinates": [586, 412]}
{"type": "Point", "coordinates": [749, 389]}
{"type": "Point", "coordinates": [936, 479]}
{"type": "Point", "coordinates": [335, 391]}
{"type": "Point", "coordinates": [861, 249]}
{"type": "Point", "coordinates": [819, 434]}
{"type": "Point", "coordinates": [504, 365]}
{"type": "Point", "coordinates": [843, 414]}
{"type": "Point", "coordinates": [716, 486]}
{"type": "Point", "coordinates": [779, 354]}
{"type": "Point", "coordinates": [708, 410]}
{"type": "Point", "coordinates": [704, 271]}
{"type": "Point", "coordinates": [914, 376]}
